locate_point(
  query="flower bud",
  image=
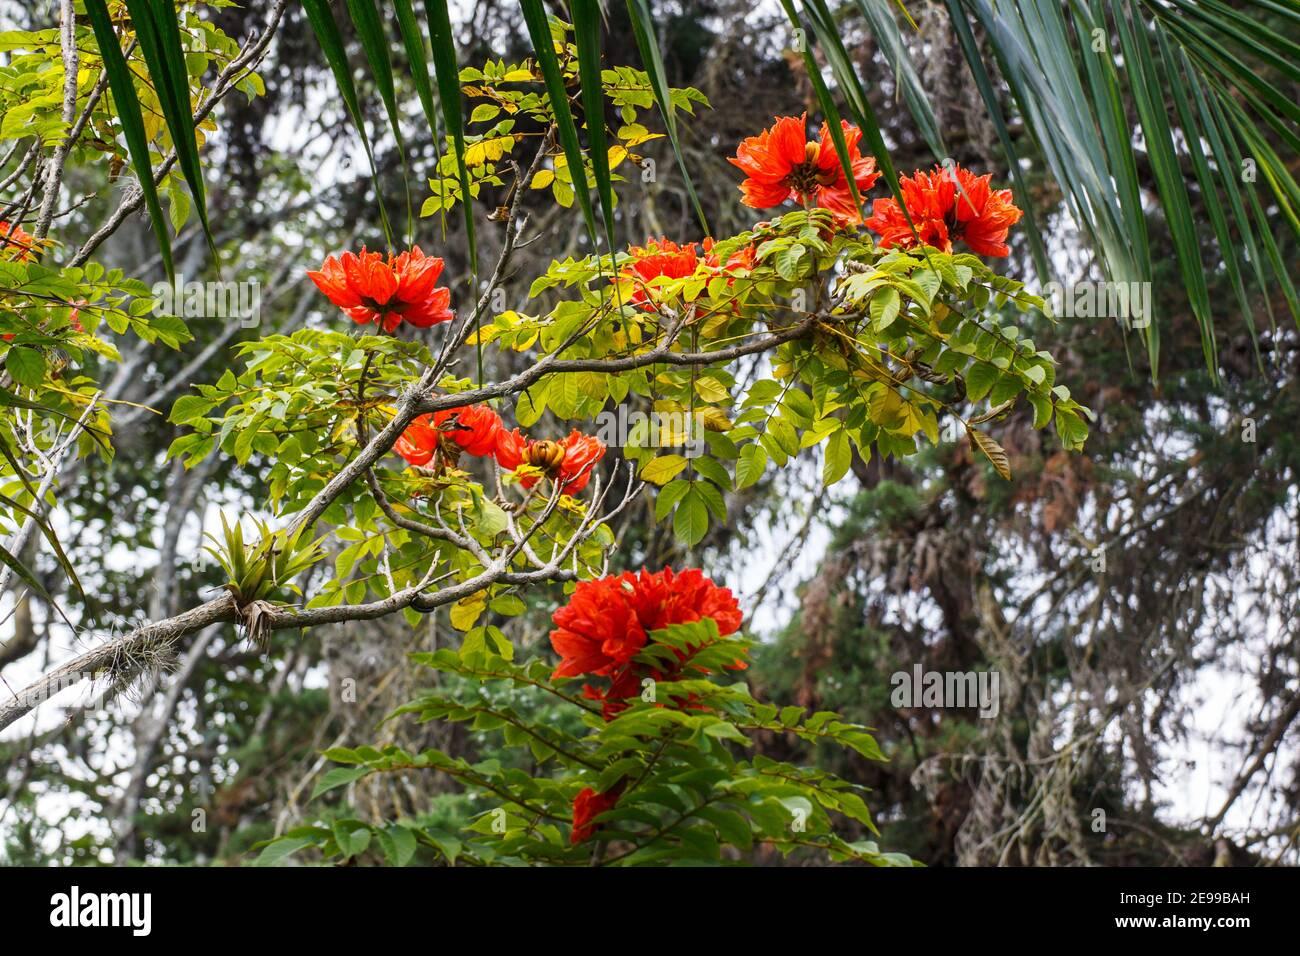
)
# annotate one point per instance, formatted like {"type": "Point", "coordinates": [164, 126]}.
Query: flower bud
{"type": "Point", "coordinates": [547, 455]}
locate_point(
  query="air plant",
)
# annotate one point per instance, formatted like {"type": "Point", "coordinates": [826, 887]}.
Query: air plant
{"type": "Point", "coordinates": [257, 571]}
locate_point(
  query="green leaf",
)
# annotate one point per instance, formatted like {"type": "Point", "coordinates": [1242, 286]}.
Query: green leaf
{"type": "Point", "coordinates": [713, 499]}
{"type": "Point", "coordinates": [403, 841]}
{"type": "Point", "coordinates": [23, 572]}
{"type": "Point", "coordinates": [713, 470]}
{"type": "Point", "coordinates": [885, 304]}
{"type": "Point", "coordinates": [277, 851]}
{"type": "Point", "coordinates": [663, 469]}
{"type": "Point", "coordinates": [691, 520]}
{"type": "Point", "coordinates": [750, 465]}
{"type": "Point", "coordinates": [352, 837]}
{"type": "Point", "coordinates": [413, 41]}
{"type": "Point", "coordinates": [586, 31]}
{"type": "Point", "coordinates": [188, 408]}
{"type": "Point", "coordinates": [885, 29]}
{"type": "Point", "coordinates": [37, 517]}
{"type": "Point", "coordinates": [863, 743]}
{"type": "Point", "coordinates": [444, 66]}
{"type": "Point", "coordinates": [1042, 406]}
{"type": "Point", "coordinates": [787, 260]}
{"type": "Point", "coordinates": [839, 455]}
{"type": "Point", "coordinates": [1070, 428]}
{"type": "Point", "coordinates": [855, 95]}
{"type": "Point", "coordinates": [668, 497]}
{"type": "Point", "coordinates": [26, 366]}
{"type": "Point", "coordinates": [1152, 110]}
{"type": "Point", "coordinates": [508, 605]}
{"type": "Point", "coordinates": [980, 379]}
{"type": "Point", "coordinates": [338, 777]}
{"type": "Point", "coordinates": [370, 31]}
{"type": "Point", "coordinates": [993, 103]}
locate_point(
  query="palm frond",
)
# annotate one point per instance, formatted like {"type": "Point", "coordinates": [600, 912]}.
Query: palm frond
{"type": "Point", "coordinates": [652, 61]}
{"type": "Point", "coordinates": [374, 44]}
{"type": "Point", "coordinates": [539, 31]}
{"type": "Point", "coordinates": [327, 33]}
{"type": "Point", "coordinates": [127, 103]}
{"type": "Point", "coordinates": [1185, 92]}
{"type": "Point", "coordinates": [156, 27]}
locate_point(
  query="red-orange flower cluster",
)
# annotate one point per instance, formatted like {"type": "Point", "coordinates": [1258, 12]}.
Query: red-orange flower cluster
{"type": "Point", "coordinates": [388, 292]}
{"type": "Point", "coordinates": [470, 428]}
{"type": "Point", "coordinates": [658, 257]}
{"type": "Point", "coordinates": [607, 623]}
{"type": "Point", "coordinates": [16, 243]}
{"type": "Point", "coordinates": [947, 204]}
{"type": "Point", "coordinates": [782, 163]}
{"type": "Point", "coordinates": [588, 805]}
{"type": "Point", "coordinates": [568, 462]}
{"type": "Point", "coordinates": [478, 430]}
{"type": "Point", "coordinates": [663, 257]}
